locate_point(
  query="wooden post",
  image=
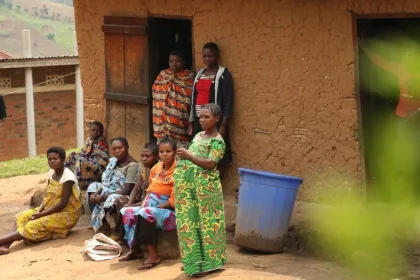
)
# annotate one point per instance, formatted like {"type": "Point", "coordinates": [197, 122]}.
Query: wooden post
{"type": "Point", "coordinates": [29, 88]}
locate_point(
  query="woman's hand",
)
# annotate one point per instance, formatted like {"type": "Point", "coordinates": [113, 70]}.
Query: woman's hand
{"type": "Point", "coordinates": [95, 198]}
{"type": "Point", "coordinates": [183, 153]}
{"type": "Point", "coordinates": [37, 215]}
{"type": "Point", "coordinates": [190, 129]}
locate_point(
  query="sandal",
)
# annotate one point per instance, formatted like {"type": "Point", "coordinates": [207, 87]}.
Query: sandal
{"type": "Point", "coordinates": [146, 266]}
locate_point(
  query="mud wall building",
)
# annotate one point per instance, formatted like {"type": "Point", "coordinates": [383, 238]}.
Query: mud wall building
{"type": "Point", "coordinates": [294, 68]}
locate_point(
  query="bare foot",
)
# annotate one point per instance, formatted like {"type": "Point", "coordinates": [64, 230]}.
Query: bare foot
{"type": "Point", "coordinates": [132, 255]}
{"type": "Point", "coordinates": [4, 250]}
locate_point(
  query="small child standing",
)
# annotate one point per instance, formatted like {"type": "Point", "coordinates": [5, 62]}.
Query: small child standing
{"type": "Point", "coordinates": [199, 199]}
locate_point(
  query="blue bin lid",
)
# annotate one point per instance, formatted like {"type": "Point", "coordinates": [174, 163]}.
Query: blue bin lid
{"type": "Point", "coordinates": [269, 174]}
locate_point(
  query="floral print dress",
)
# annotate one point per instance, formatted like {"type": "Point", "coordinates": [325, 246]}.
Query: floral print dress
{"type": "Point", "coordinates": [199, 209]}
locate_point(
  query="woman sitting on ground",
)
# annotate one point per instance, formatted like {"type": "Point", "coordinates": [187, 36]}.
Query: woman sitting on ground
{"type": "Point", "coordinates": [91, 161]}
{"type": "Point", "coordinates": [118, 179]}
{"type": "Point", "coordinates": [140, 224]}
{"type": "Point", "coordinates": [59, 211]}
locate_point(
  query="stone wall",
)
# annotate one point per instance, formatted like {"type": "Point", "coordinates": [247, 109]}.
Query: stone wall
{"type": "Point", "coordinates": [293, 64]}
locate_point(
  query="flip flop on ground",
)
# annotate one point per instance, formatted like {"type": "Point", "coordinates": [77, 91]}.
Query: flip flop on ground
{"type": "Point", "coordinates": [146, 265]}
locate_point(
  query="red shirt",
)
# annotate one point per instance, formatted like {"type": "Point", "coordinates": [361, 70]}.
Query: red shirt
{"type": "Point", "coordinates": [406, 105]}
{"type": "Point", "coordinates": [203, 91]}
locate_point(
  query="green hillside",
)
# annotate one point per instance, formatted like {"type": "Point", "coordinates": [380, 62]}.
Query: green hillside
{"type": "Point", "coordinates": [52, 25]}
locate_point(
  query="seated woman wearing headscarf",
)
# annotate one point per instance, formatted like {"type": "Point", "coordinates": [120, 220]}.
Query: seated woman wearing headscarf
{"type": "Point", "coordinates": [118, 180]}
{"type": "Point", "coordinates": [91, 161]}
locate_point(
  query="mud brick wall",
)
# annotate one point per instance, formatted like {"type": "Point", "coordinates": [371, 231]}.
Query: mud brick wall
{"type": "Point", "coordinates": [293, 68]}
{"type": "Point", "coordinates": [55, 115]}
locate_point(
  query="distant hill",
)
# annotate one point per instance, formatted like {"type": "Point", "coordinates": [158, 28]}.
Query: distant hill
{"type": "Point", "coordinates": [51, 23]}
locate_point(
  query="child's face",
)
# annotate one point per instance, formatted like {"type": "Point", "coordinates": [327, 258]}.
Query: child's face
{"type": "Point", "coordinates": [176, 63]}
{"type": "Point", "coordinates": [148, 158]}
{"type": "Point", "coordinates": [95, 132]}
{"type": "Point", "coordinates": [166, 153]}
{"type": "Point", "coordinates": [207, 119]}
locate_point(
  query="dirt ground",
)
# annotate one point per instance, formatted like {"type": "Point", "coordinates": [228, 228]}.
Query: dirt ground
{"type": "Point", "coordinates": [62, 257]}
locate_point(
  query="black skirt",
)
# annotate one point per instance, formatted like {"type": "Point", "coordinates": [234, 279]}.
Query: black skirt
{"type": "Point", "coordinates": [145, 232]}
{"type": "Point", "coordinates": [227, 158]}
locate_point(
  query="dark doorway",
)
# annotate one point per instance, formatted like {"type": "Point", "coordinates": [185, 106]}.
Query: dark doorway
{"type": "Point", "coordinates": [166, 35]}
{"type": "Point", "coordinates": [380, 89]}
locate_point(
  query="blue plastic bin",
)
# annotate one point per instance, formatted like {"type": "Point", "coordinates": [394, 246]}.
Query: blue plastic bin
{"type": "Point", "coordinates": [265, 206]}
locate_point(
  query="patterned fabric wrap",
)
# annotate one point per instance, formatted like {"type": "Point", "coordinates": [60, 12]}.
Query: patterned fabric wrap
{"type": "Point", "coordinates": [164, 218]}
{"type": "Point", "coordinates": [57, 224]}
{"type": "Point", "coordinates": [200, 210]}
{"type": "Point", "coordinates": [112, 181]}
{"type": "Point", "coordinates": [90, 162]}
{"type": "Point", "coordinates": [171, 104]}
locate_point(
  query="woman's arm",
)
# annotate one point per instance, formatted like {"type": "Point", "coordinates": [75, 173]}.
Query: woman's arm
{"type": "Point", "coordinates": [134, 193]}
{"type": "Point", "coordinates": [144, 200]}
{"type": "Point", "coordinates": [170, 203]}
{"type": "Point", "coordinates": [65, 196]}
{"type": "Point", "coordinates": [201, 162]}
{"type": "Point", "coordinates": [379, 61]}
{"type": "Point", "coordinates": [41, 207]}
{"type": "Point", "coordinates": [165, 205]}
{"type": "Point", "coordinates": [131, 179]}
{"type": "Point", "coordinates": [126, 190]}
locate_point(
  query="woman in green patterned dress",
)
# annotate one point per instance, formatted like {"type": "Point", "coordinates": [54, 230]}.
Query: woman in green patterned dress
{"type": "Point", "coordinates": [199, 206]}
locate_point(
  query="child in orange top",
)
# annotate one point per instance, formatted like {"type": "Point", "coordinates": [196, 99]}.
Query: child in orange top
{"type": "Point", "coordinates": [156, 212]}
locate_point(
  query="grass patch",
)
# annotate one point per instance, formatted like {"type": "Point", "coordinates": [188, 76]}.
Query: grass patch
{"type": "Point", "coordinates": [25, 166]}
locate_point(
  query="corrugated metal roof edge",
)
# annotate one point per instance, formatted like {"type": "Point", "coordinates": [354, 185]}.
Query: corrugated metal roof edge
{"type": "Point", "coordinates": [37, 58]}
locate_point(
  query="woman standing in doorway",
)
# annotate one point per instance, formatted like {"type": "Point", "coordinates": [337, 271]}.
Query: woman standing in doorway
{"type": "Point", "coordinates": [213, 84]}
{"type": "Point", "coordinates": [172, 92]}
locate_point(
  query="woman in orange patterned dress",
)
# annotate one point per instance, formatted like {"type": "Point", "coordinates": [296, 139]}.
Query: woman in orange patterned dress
{"type": "Point", "coordinates": [172, 92]}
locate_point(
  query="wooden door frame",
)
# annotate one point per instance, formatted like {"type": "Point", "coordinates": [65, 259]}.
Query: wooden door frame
{"type": "Point", "coordinates": [359, 131]}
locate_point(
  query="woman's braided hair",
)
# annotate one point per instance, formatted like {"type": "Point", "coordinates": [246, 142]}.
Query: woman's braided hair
{"type": "Point", "coordinates": [213, 108]}
{"type": "Point", "coordinates": [153, 147]}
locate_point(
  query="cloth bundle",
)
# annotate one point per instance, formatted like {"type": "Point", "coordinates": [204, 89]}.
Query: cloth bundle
{"type": "Point", "coordinates": [101, 248]}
